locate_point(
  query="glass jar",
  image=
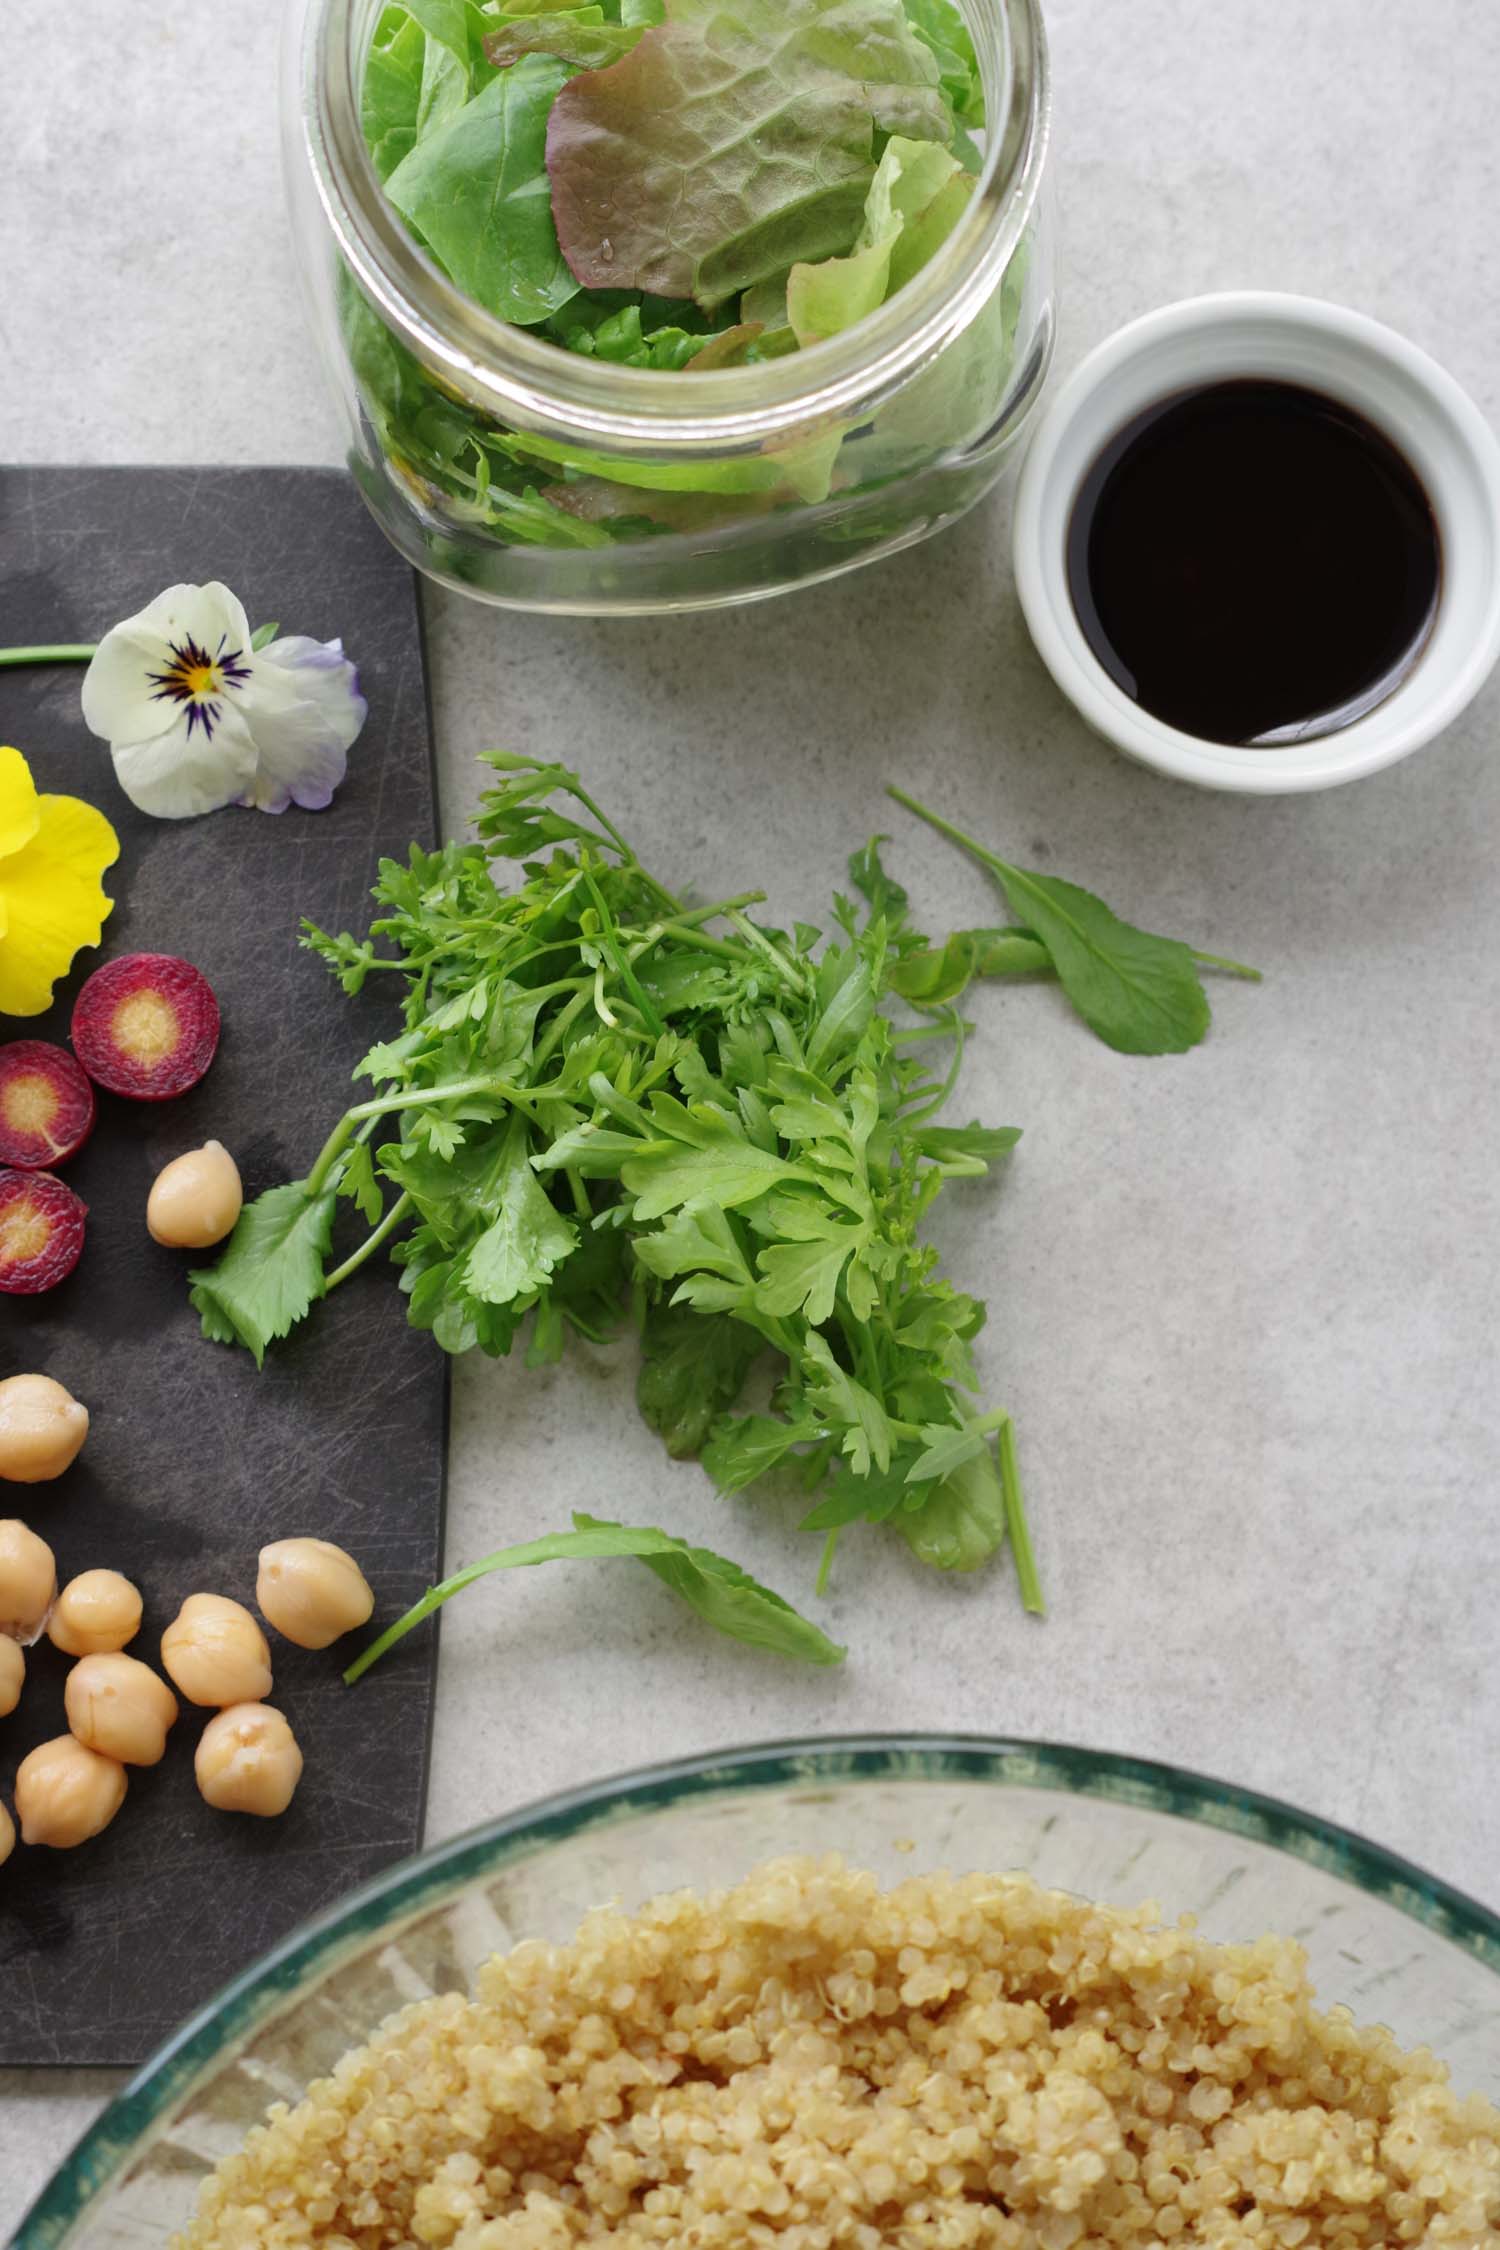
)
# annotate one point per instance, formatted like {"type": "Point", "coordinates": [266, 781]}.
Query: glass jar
{"type": "Point", "coordinates": [628, 489]}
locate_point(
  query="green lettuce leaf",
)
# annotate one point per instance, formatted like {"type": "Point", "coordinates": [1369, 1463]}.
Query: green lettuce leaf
{"type": "Point", "coordinates": [942, 30]}
{"type": "Point", "coordinates": [735, 140]}
{"type": "Point", "coordinates": [475, 189]}
{"type": "Point", "coordinates": [580, 36]}
{"type": "Point", "coordinates": [391, 96]}
{"type": "Point", "coordinates": [915, 201]}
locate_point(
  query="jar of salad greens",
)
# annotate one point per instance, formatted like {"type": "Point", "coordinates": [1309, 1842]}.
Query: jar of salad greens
{"type": "Point", "coordinates": [655, 304]}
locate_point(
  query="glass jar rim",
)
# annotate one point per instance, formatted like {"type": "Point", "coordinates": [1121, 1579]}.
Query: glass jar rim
{"type": "Point", "coordinates": [530, 382]}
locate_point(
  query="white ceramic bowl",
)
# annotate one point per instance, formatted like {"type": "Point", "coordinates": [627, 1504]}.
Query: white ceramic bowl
{"type": "Point", "coordinates": [1326, 348]}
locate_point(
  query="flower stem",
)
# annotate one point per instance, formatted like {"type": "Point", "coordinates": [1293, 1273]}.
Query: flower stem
{"type": "Point", "coordinates": [53, 652]}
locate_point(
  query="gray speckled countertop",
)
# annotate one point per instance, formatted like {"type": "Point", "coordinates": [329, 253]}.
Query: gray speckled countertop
{"type": "Point", "coordinates": [1243, 1304]}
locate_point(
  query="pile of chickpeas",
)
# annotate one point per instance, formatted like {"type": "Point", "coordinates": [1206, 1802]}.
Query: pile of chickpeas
{"type": "Point", "coordinates": [119, 1710]}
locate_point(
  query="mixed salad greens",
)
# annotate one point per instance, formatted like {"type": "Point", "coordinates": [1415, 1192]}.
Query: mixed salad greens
{"type": "Point", "coordinates": [665, 184]}
{"type": "Point", "coordinates": [607, 1102]}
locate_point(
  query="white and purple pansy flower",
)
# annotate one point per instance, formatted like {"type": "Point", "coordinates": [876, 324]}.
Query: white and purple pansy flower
{"type": "Point", "coordinates": [196, 716]}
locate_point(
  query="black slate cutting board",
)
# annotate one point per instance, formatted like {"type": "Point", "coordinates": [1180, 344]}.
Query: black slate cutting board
{"type": "Point", "coordinates": [193, 1459]}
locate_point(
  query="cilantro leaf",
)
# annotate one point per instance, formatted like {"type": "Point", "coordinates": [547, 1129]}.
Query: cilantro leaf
{"type": "Point", "coordinates": [961, 1519]}
{"type": "Point", "coordinates": [527, 1236]}
{"type": "Point", "coordinates": [358, 1184]}
{"type": "Point", "coordinates": [744, 1447]}
{"type": "Point", "coordinates": [271, 1268]}
{"type": "Point", "coordinates": [692, 1366]}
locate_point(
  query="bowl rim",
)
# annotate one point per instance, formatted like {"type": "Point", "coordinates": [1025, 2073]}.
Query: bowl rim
{"type": "Point", "coordinates": [414, 1885]}
{"type": "Point", "coordinates": [1279, 321]}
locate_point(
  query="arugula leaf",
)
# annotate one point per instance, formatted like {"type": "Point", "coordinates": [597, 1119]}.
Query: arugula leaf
{"type": "Point", "coordinates": [475, 189]}
{"type": "Point", "coordinates": [733, 141]}
{"type": "Point", "coordinates": [270, 1270]}
{"type": "Point", "coordinates": [723, 1595]}
{"type": "Point", "coordinates": [966, 1151]}
{"type": "Point", "coordinates": [933, 976]}
{"type": "Point", "coordinates": [1140, 993]}
{"type": "Point", "coordinates": [728, 1598]}
{"type": "Point", "coordinates": [692, 1367]}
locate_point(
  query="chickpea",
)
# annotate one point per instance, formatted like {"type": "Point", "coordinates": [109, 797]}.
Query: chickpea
{"type": "Point", "coordinates": [65, 1794]}
{"type": "Point", "coordinates": [214, 1651]}
{"type": "Point", "coordinates": [12, 1674]}
{"type": "Point", "coordinates": [28, 1581]}
{"type": "Point", "coordinates": [248, 1761]}
{"type": "Point", "coordinates": [42, 1429]}
{"type": "Point", "coordinates": [117, 1706]}
{"type": "Point", "coordinates": [195, 1200]}
{"type": "Point", "coordinates": [96, 1611]}
{"type": "Point", "coordinates": [7, 1835]}
{"type": "Point", "coordinates": [311, 1591]}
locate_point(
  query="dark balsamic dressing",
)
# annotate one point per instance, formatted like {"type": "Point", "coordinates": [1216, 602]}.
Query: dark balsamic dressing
{"type": "Point", "coordinates": [1254, 563]}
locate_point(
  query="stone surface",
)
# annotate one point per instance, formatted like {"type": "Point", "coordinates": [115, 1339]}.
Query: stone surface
{"type": "Point", "coordinates": [1243, 1303]}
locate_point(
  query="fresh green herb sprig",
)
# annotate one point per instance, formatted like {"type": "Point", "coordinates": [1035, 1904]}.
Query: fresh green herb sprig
{"type": "Point", "coordinates": [722, 1594]}
{"type": "Point", "coordinates": [608, 1101]}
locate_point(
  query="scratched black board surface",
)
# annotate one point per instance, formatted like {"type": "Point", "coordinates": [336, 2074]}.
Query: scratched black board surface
{"type": "Point", "coordinates": [193, 1459]}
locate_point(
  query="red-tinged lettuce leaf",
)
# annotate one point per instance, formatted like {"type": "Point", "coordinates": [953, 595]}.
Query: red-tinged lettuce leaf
{"type": "Point", "coordinates": [735, 140]}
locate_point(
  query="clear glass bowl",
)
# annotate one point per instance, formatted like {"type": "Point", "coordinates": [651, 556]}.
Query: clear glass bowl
{"type": "Point", "coordinates": [1392, 1944]}
{"type": "Point", "coordinates": [466, 434]}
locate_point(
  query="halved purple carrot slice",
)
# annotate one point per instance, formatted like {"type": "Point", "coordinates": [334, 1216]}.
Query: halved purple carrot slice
{"type": "Point", "coordinates": [41, 1232]}
{"type": "Point", "coordinates": [46, 1105]}
{"type": "Point", "coordinates": [146, 1026]}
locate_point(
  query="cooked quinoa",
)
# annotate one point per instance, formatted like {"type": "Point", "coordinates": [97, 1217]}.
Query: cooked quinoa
{"type": "Point", "coordinates": [806, 2060]}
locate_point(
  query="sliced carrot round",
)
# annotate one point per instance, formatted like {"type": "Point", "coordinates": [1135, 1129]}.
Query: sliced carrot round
{"type": "Point", "coordinates": [46, 1105]}
{"type": "Point", "coordinates": [146, 1026]}
{"type": "Point", "coordinates": [41, 1232]}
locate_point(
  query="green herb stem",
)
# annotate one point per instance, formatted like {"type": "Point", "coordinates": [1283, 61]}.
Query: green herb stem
{"type": "Point", "coordinates": [825, 1566]}
{"type": "Point", "coordinates": [1017, 1528]}
{"type": "Point", "coordinates": [773, 952]}
{"type": "Point", "coordinates": [1229, 968]}
{"type": "Point", "coordinates": [507, 1558]}
{"type": "Point", "coordinates": [944, 827]}
{"type": "Point", "coordinates": [371, 1243]}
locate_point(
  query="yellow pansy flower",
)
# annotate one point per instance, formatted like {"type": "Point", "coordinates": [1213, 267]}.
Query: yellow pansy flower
{"type": "Point", "coordinates": [53, 853]}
